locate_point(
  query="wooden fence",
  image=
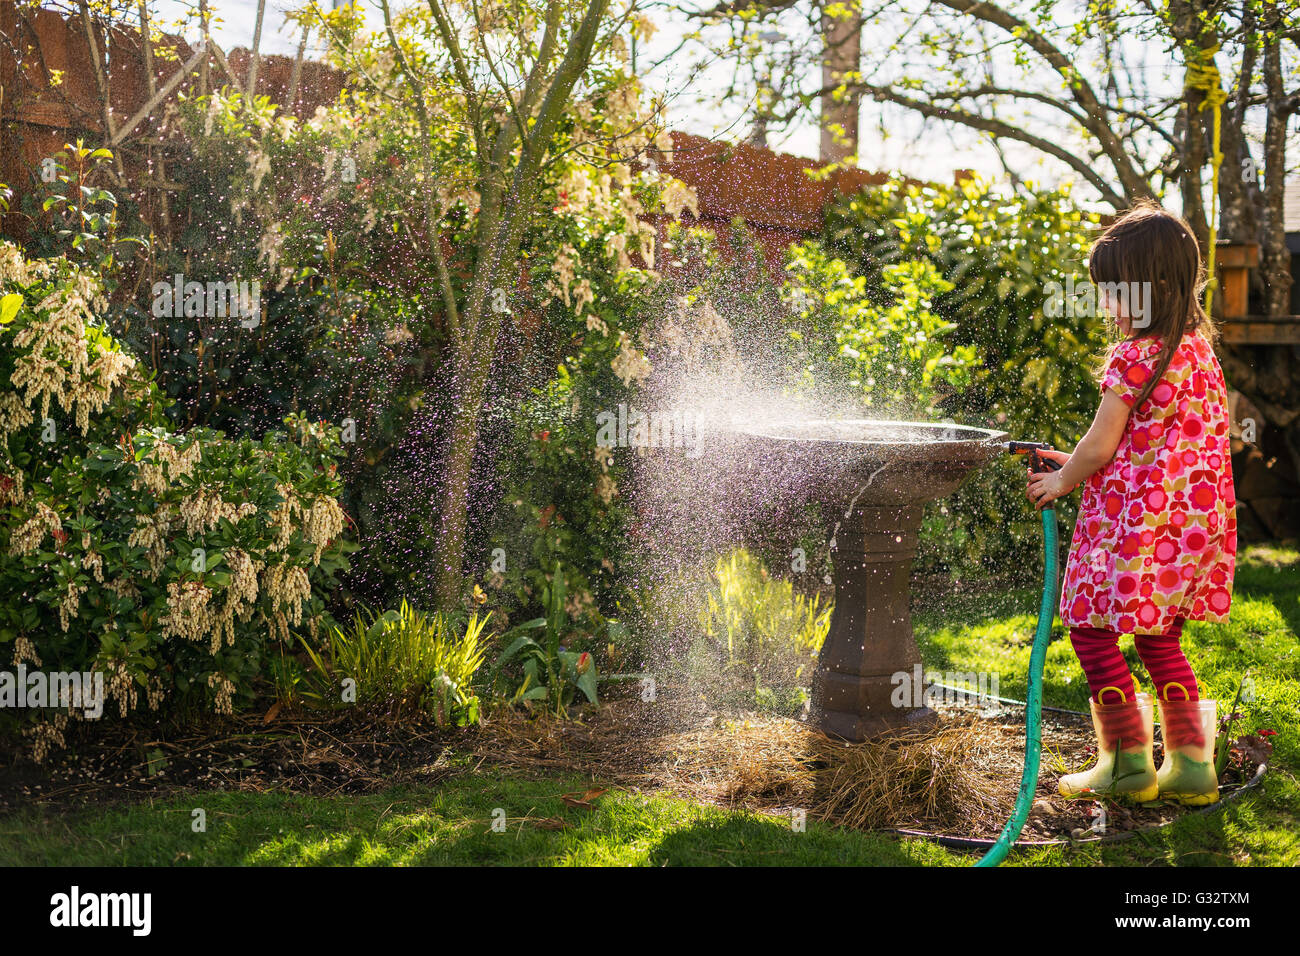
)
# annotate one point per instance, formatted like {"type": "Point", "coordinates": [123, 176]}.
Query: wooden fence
{"type": "Point", "coordinates": [54, 88]}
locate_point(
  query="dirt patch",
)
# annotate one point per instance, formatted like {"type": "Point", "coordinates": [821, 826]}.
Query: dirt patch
{"type": "Point", "coordinates": [959, 778]}
{"type": "Point", "coordinates": [325, 756]}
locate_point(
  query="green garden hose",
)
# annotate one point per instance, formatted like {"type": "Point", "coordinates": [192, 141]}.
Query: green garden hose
{"type": "Point", "coordinates": [1033, 700]}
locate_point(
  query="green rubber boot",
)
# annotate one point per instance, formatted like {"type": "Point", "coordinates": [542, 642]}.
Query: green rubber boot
{"type": "Point", "coordinates": [1125, 769]}
{"type": "Point", "coordinates": [1187, 772]}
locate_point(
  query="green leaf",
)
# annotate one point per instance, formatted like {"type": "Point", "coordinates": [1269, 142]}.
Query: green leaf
{"type": "Point", "coordinates": [155, 763]}
{"type": "Point", "coordinates": [9, 306]}
{"type": "Point", "coordinates": [587, 684]}
{"type": "Point", "coordinates": [519, 644]}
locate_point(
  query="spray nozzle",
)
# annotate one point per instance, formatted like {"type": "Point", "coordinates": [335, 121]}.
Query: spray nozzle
{"type": "Point", "coordinates": [1031, 448]}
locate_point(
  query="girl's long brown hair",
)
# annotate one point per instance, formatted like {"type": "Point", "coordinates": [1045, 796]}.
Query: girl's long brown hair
{"type": "Point", "coordinates": [1150, 245]}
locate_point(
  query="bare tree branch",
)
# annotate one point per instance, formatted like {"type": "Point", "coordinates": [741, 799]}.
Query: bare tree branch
{"type": "Point", "coordinates": [999, 128]}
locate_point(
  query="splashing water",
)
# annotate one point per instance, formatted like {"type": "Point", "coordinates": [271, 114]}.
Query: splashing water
{"type": "Point", "coordinates": [764, 466]}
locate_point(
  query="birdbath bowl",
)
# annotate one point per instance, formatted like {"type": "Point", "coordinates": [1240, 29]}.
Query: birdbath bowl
{"type": "Point", "coordinates": [872, 479]}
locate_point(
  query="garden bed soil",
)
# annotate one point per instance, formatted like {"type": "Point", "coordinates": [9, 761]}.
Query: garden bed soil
{"type": "Point", "coordinates": [958, 779]}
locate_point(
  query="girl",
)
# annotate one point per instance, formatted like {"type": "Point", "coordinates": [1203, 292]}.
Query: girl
{"type": "Point", "coordinates": [1156, 538]}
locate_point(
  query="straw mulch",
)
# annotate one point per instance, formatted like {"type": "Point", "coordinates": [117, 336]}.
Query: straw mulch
{"type": "Point", "coordinates": [958, 777]}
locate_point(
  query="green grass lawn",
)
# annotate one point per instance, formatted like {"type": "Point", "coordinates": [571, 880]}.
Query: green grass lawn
{"type": "Point", "coordinates": [983, 634]}
{"type": "Point", "coordinates": [452, 822]}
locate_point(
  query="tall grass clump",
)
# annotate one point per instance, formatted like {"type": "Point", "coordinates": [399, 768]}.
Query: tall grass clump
{"type": "Point", "coordinates": [760, 638]}
{"type": "Point", "coordinates": [399, 664]}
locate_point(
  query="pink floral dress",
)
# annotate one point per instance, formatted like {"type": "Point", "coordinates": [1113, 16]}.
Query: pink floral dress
{"type": "Point", "coordinates": [1156, 537]}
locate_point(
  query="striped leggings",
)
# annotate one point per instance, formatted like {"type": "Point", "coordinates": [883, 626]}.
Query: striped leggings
{"type": "Point", "coordinates": [1106, 670]}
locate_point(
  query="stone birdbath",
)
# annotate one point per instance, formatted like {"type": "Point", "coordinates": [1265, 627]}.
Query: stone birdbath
{"type": "Point", "coordinates": [872, 479]}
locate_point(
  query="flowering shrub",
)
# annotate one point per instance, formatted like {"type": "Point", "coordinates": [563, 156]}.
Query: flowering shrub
{"type": "Point", "coordinates": [355, 324]}
{"type": "Point", "coordinates": [170, 563]}
{"type": "Point", "coordinates": [564, 498]}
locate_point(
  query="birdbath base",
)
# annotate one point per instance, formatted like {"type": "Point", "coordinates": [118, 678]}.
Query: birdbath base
{"type": "Point", "coordinates": [863, 682]}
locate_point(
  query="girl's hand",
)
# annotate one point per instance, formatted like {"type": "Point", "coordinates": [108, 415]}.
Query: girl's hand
{"type": "Point", "coordinates": [1057, 489]}
{"type": "Point", "coordinates": [1046, 486]}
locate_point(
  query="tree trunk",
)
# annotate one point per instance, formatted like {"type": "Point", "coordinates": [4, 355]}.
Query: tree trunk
{"type": "Point", "coordinates": [1238, 182]}
{"type": "Point", "coordinates": [469, 387]}
{"type": "Point", "coordinates": [1269, 478]}
{"type": "Point", "coordinates": [1275, 258]}
{"type": "Point", "coordinates": [507, 200]}
{"type": "Point", "coordinates": [842, 42]}
{"type": "Point", "coordinates": [1196, 39]}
